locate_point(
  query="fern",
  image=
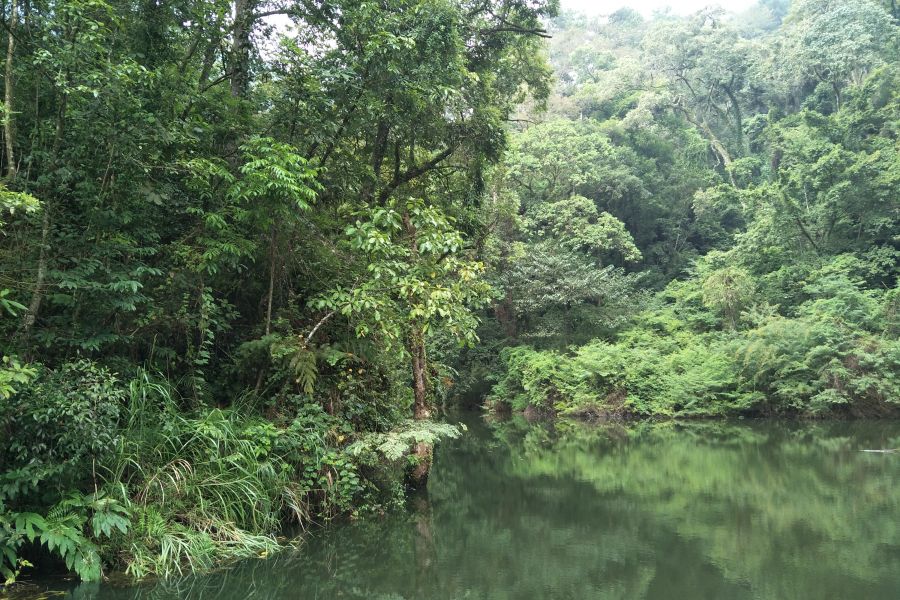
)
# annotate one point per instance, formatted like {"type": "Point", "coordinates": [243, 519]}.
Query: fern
{"type": "Point", "coordinates": [397, 442]}
{"type": "Point", "coordinates": [63, 535]}
{"type": "Point", "coordinates": [303, 364]}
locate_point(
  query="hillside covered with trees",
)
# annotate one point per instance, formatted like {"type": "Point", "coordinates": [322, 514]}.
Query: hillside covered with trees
{"type": "Point", "coordinates": [249, 247]}
{"type": "Point", "coordinates": [704, 222]}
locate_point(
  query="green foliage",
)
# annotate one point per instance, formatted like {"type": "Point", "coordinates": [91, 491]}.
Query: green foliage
{"type": "Point", "coordinates": [220, 483]}
{"type": "Point", "coordinates": [65, 531]}
{"type": "Point", "coordinates": [556, 293]}
{"type": "Point", "coordinates": [225, 220]}
{"type": "Point", "coordinates": [838, 355]}
{"type": "Point", "coordinates": [417, 276]}
{"type": "Point", "coordinates": [397, 442]}
{"type": "Point", "coordinates": [576, 223]}
{"type": "Point", "coordinates": [65, 417]}
{"type": "Point", "coordinates": [727, 290]}
{"type": "Point", "coordinates": [17, 202]}
{"type": "Point", "coordinates": [768, 234]}
{"type": "Point", "coordinates": [276, 231]}
{"type": "Point", "coordinates": [12, 372]}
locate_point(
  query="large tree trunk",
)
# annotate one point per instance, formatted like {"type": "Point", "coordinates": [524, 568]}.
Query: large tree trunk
{"type": "Point", "coordinates": [421, 407]}
{"type": "Point", "coordinates": [8, 129]}
{"type": "Point", "coordinates": [418, 475]}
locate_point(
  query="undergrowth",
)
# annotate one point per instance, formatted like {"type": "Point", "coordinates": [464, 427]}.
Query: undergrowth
{"type": "Point", "coordinates": [836, 354]}
{"type": "Point", "coordinates": [107, 474]}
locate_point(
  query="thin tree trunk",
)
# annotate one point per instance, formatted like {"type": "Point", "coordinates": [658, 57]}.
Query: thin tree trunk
{"type": "Point", "coordinates": [418, 475]}
{"type": "Point", "coordinates": [800, 223]}
{"type": "Point", "coordinates": [379, 148]}
{"type": "Point", "coordinates": [272, 260]}
{"type": "Point", "coordinates": [38, 295]}
{"type": "Point", "coordinates": [41, 278]}
{"type": "Point", "coordinates": [8, 129]}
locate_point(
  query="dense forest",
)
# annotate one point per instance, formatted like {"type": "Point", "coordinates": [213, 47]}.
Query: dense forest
{"type": "Point", "coordinates": [705, 219]}
{"type": "Point", "coordinates": [249, 247]}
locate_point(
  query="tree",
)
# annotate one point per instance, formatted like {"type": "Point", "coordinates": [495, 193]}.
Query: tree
{"type": "Point", "coordinates": [418, 280]}
{"type": "Point", "coordinates": [703, 63]}
{"type": "Point", "coordinates": [839, 42]}
{"type": "Point", "coordinates": [548, 285]}
{"type": "Point", "coordinates": [558, 159]}
{"type": "Point", "coordinates": [727, 290]}
{"type": "Point", "coordinates": [576, 223]}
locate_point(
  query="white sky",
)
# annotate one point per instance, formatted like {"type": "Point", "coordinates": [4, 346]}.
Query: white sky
{"type": "Point", "coordinates": [646, 7]}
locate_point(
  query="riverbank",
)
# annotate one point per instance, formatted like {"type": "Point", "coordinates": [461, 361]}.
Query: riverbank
{"type": "Point", "coordinates": [101, 474]}
{"type": "Point", "coordinates": [837, 356]}
{"type": "Point", "coordinates": [751, 508]}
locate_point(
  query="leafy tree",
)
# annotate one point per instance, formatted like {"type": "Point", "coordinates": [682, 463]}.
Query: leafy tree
{"type": "Point", "coordinates": [576, 223]}
{"type": "Point", "coordinates": [557, 292]}
{"type": "Point", "coordinates": [839, 42]}
{"type": "Point", "coordinates": [418, 279]}
{"type": "Point", "coordinates": [704, 63]}
{"type": "Point", "coordinates": [727, 290]}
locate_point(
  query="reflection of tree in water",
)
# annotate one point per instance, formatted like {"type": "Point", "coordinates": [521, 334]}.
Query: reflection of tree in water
{"type": "Point", "coordinates": [423, 540]}
{"type": "Point", "coordinates": [782, 509]}
{"type": "Point", "coordinates": [569, 510]}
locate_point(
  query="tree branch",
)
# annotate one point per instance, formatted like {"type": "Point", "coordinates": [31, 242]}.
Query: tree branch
{"type": "Point", "coordinates": [411, 174]}
{"type": "Point", "coordinates": [516, 29]}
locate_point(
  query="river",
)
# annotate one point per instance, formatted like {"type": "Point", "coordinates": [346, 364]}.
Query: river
{"type": "Point", "coordinates": [562, 509]}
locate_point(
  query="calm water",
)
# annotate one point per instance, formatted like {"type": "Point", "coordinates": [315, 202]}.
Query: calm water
{"type": "Point", "coordinates": [744, 509]}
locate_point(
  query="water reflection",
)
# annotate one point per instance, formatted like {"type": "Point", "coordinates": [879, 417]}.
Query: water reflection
{"type": "Point", "coordinates": [570, 510]}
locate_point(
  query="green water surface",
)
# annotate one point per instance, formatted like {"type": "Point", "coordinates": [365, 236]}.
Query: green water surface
{"type": "Point", "coordinates": [557, 509]}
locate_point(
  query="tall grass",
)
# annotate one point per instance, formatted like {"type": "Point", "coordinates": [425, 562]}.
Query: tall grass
{"type": "Point", "coordinates": [203, 486]}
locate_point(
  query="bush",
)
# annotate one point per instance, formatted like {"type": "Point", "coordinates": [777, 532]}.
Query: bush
{"type": "Point", "coordinates": [64, 417]}
{"type": "Point", "coordinates": [837, 355]}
